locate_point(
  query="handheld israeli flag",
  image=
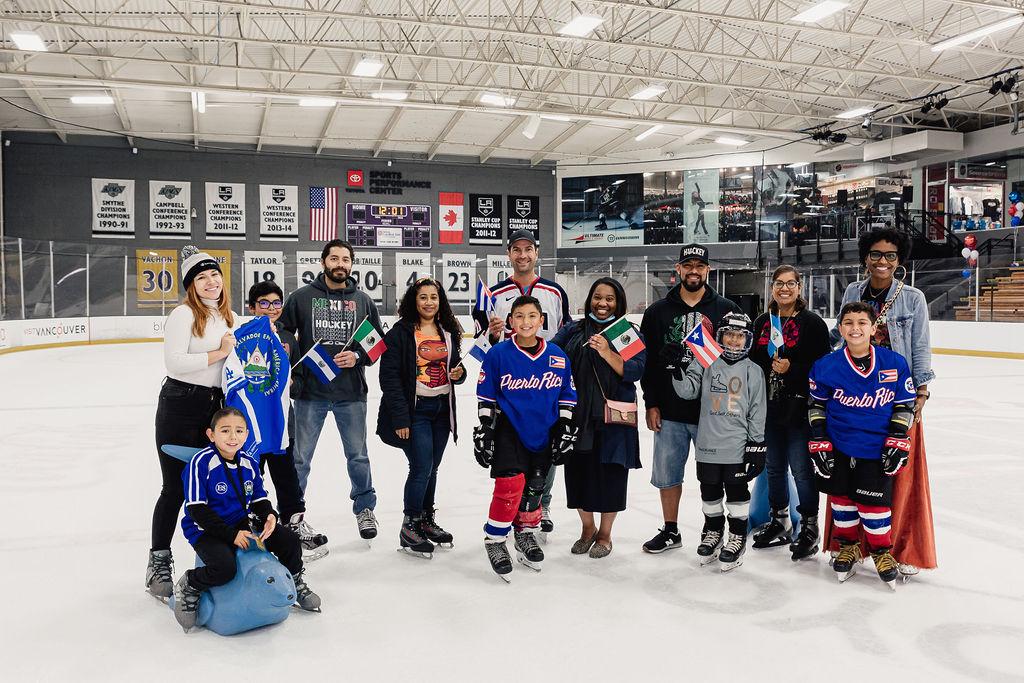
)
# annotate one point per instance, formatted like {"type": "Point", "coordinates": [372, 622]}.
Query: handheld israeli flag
{"type": "Point", "coordinates": [484, 299]}
{"type": "Point", "coordinates": [775, 339]}
{"type": "Point", "coordinates": [481, 345]}
{"type": "Point", "coordinates": [320, 363]}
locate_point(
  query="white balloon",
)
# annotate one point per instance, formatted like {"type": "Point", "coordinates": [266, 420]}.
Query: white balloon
{"type": "Point", "coordinates": [965, 252]}
{"type": "Point", "coordinates": [1020, 206]}
{"type": "Point", "coordinates": [974, 254]}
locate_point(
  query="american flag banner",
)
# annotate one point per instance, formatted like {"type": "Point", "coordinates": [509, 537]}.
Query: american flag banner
{"type": "Point", "coordinates": [323, 213]}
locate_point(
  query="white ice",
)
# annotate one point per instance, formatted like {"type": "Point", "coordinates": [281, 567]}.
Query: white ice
{"type": "Point", "coordinates": [80, 478]}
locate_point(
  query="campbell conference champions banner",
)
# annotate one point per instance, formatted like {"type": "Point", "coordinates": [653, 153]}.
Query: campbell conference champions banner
{"type": "Point", "coordinates": [170, 209]}
{"type": "Point", "coordinates": [113, 207]}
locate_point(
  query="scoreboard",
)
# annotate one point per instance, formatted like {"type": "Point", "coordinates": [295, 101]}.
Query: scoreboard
{"type": "Point", "coordinates": [388, 225]}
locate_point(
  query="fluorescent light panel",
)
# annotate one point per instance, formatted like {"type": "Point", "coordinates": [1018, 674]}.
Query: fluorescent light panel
{"type": "Point", "coordinates": [979, 33]}
{"type": "Point", "coordinates": [825, 8]}
{"type": "Point", "coordinates": [855, 113]}
{"type": "Point", "coordinates": [532, 126]}
{"type": "Point", "coordinates": [649, 92]}
{"type": "Point", "coordinates": [649, 132]}
{"type": "Point", "coordinates": [199, 101]}
{"type": "Point", "coordinates": [735, 142]}
{"type": "Point", "coordinates": [496, 100]}
{"type": "Point", "coordinates": [581, 25]}
{"type": "Point", "coordinates": [393, 95]}
{"type": "Point", "coordinates": [556, 117]}
{"type": "Point", "coordinates": [368, 67]}
{"type": "Point", "coordinates": [28, 40]}
{"type": "Point", "coordinates": [316, 102]}
{"type": "Point", "coordinates": [92, 99]}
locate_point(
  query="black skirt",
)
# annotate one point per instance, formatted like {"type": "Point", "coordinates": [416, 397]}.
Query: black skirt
{"type": "Point", "coordinates": [594, 486]}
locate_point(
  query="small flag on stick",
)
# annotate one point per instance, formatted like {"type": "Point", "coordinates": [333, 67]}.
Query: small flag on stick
{"type": "Point", "coordinates": [623, 338]}
{"type": "Point", "coordinates": [371, 341]}
{"type": "Point", "coordinates": [320, 363]}
{"type": "Point", "coordinates": [703, 345]}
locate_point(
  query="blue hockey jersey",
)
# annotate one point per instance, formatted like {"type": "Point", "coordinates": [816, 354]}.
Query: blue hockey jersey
{"type": "Point", "coordinates": [858, 404]}
{"type": "Point", "coordinates": [528, 389]}
{"type": "Point", "coordinates": [221, 484]}
{"type": "Point", "coordinates": [255, 382]}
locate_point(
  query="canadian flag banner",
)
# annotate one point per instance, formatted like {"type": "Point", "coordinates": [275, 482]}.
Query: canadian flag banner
{"type": "Point", "coordinates": [452, 213]}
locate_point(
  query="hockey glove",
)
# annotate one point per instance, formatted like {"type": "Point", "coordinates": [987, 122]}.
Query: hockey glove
{"type": "Point", "coordinates": [563, 440]}
{"type": "Point", "coordinates": [754, 455]}
{"type": "Point", "coordinates": [672, 354]}
{"type": "Point", "coordinates": [483, 445]}
{"type": "Point", "coordinates": [822, 459]}
{"type": "Point", "coordinates": [895, 454]}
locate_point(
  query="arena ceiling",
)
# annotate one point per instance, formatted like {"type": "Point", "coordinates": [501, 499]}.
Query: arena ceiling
{"type": "Point", "coordinates": [473, 74]}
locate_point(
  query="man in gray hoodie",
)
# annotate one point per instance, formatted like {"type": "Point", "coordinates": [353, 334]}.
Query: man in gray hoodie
{"type": "Point", "coordinates": [329, 310]}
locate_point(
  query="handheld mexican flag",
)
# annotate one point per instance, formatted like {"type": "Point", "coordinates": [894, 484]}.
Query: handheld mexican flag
{"type": "Point", "coordinates": [623, 338]}
{"type": "Point", "coordinates": [371, 341]}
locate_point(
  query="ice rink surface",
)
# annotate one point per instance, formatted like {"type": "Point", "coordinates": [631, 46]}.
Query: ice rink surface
{"type": "Point", "coordinates": [80, 479]}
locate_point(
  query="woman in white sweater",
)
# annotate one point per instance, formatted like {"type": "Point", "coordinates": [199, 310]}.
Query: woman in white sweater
{"type": "Point", "coordinates": [197, 339]}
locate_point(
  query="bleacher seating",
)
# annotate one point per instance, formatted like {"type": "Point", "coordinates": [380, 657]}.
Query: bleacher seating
{"type": "Point", "coordinates": [1001, 300]}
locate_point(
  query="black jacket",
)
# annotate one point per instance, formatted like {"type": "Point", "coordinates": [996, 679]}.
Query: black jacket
{"type": "Point", "coordinates": [398, 384]}
{"type": "Point", "coordinates": [806, 340]}
{"type": "Point", "coordinates": [668, 321]}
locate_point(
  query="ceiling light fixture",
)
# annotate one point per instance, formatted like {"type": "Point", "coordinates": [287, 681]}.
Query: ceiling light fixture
{"type": "Point", "coordinates": [556, 117]}
{"type": "Point", "coordinates": [531, 127]}
{"type": "Point", "coordinates": [825, 8]}
{"type": "Point", "coordinates": [496, 100]}
{"type": "Point", "coordinates": [980, 32]}
{"type": "Point", "coordinates": [650, 92]}
{"type": "Point", "coordinates": [942, 102]}
{"type": "Point", "coordinates": [649, 132]}
{"type": "Point", "coordinates": [1009, 83]}
{"type": "Point", "coordinates": [927, 107]}
{"type": "Point", "coordinates": [92, 99]}
{"type": "Point", "coordinates": [368, 67]}
{"type": "Point", "coordinates": [581, 25]}
{"type": "Point", "coordinates": [996, 86]}
{"type": "Point", "coordinates": [316, 102]}
{"type": "Point", "coordinates": [855, 113]}
{"type": "Point", "coordinates": [199, 101]}
{"type": "Point", "coordinates": [28, 40]}
{"type": "Point", "coordinates": [732, 142]}
{"type": "Point", "coordinates": [393, 95]}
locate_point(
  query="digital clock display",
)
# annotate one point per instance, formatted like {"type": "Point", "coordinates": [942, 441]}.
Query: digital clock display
{"type": "Point", "coordinates": [389, 210]}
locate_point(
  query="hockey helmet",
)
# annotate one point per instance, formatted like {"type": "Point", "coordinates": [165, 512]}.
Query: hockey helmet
{"type": "Point", "coordinates": [735, 322]}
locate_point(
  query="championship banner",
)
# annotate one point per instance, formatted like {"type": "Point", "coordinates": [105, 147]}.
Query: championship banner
{"type": "Point", "coordinates": [524, 214]}
{"type": "Point", "coordinates": [262, 266]}
{"type": "Point", "coordinates": [307, 267]}
{"type": "Point", "coordinates": [450, 207]}
{"type": "Point", "coordinates": [113, 208]}
{"type": "Point", "coordinates": [498, 268]}
{"type": "Point", "coordinates": [388, 225]}
{"type": "Point", "coordinates": [368, 272]}
{"type": "Point", "coordinates": [485, 219]}
{"type": "Point", "coordinates": [156, 277]}
{"type": "Point", "coordinates": [170, 209]}
{"type": "Point", "coordinates": [408, 269]}
{"type": "Point", "coordinates": [459, 276]}
{"type": "Point", "coordinates": [225, 211]}
{"type": "Point", "coordinates": [279, 213]}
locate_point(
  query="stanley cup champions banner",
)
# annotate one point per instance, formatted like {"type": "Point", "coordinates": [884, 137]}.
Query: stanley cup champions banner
{"type": "Point", "coordinates": [170, 209]}
{"type": "Point", "coordinates": [113, 208]}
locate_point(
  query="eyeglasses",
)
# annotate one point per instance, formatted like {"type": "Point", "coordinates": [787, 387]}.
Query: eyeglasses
{"type": "Point", "coordinates": [889, 256]}
{"type": "Point", "coordinates": [267, 304]}
{"type": "Point", "coordinates": [786, 284]}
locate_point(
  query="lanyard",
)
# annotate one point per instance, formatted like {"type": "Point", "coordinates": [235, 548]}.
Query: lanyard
{"type": "Point", "coordinates": [236, 485]}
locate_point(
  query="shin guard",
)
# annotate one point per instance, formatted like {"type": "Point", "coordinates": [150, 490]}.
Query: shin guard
{"type": "Point", "coordinates": [504, 503]}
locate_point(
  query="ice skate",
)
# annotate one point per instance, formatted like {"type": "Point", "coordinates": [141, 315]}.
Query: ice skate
{"type": "Point", "coordinates": [501, 561]}
{"type": "Point", "coordinates": [186, 603]}
{"type": "Point", "coordinates": [304, 597]}
{"type": "Point", "coordinates": [845, 563]}
{"type": "Point", "coordinates": [433, 532]}
{"type": "Point", "coordinates": [367, 525]}
{"type": "Point", "coordinates": [546, 526]}
{"type": "Point", "coordinates": [778, 531]}
{"type": "Point", "coordinates": [710, 545]}
{"type": "Point", "coordinates": [886, 566]}
{"type": "Point", "coordinates": [412, 541]}
{"type": "Point", "coordinates": [908, 570]}
{"type": "Point", "coordinates": [731, 555]}
{"type": "Point", "coordinates": [806, 544]}
{"type": "Point", "coordinates": [314, 543]}
{"type": "Point", "coordinates": [160, 574]}
{"type": "Point", "coordinates": [527, 550]}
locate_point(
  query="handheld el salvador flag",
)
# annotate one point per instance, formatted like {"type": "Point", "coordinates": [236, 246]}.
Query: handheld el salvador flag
{"type": "Point", "coordinates": [481, 345]}
{"type": "Point", "coordinates": [484, 299]}
{"type": "Point", "coordinates": [775, 339]}
{"type": "Point", "coordinates": [701, 341]}
{"type": "Point", "coordinates": [321, 363]}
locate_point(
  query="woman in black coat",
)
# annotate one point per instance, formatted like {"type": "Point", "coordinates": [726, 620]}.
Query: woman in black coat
{"type": "Point", "coordinates": [598, 470]}
{"type": "Point", "coordinates": [417, 411]}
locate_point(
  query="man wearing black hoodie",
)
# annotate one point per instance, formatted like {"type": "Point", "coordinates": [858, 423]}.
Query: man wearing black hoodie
{"type": "Point", "coordinates": [329, 309]}
{"type": "Point", "coordinates": [673, 420]}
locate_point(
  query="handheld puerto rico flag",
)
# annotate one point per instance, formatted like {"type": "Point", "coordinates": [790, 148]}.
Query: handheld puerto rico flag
{"type": "Point", "coordinates": [775, 339]}
{"type": "Point", "coordinates": [320, 363]}
{"type": "Point", "coordinates": [481, 345]}
{"type": "Point", "coordinates": [484, 298]}
{"type": "Point", "coordinates": [623, 338]}
{"type": "Point", "coordinates": [369, 339]}
{"type": "Point", "coordinates": [703, 345]}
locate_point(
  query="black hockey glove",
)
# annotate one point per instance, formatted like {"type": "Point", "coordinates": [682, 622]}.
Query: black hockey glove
{"type": "Point", "coordinates": [754, 455]}
{"type": "Point", "coordinates": [483, 445]}
{"type": "Point", "coordinates": [672, 355]}
{"type": "Point", "coordinates": [563, 440]}
{"type": "Point", "coordinates": [822, 458]}
{"type": "Point", "coordinates": [895, 454]}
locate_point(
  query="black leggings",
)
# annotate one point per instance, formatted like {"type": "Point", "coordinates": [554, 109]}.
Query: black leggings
{"type": "Point", "coordinates": [219, 557]}
{"type": "Point", "coordinates": [286, 482]}
{"type": "Point", "coordinates": [182, 416]}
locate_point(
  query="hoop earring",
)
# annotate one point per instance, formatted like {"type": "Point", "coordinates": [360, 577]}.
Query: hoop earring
{"type": "Point", "coordinates": [905, 273]}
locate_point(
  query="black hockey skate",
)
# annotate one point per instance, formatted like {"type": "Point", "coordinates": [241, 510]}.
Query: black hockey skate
{"type": "Point", "coordinates": [779, 531]}
{"type": "Point", "coordinates": [731, 555]}
{"type": "Point", "coordinates": [528, 552]}
{"type": "Point", "coordinates": [710, 544]}
{"type": "Point", "coordinates": [412, 542]}
{"type": "Point", "coordinates": [501, 561]}
{"type": "Point", "coordinates": [160, 574]}
{"type": "Point", "coordinates": [367, 525]}
{"type": "Point", "coordinates": [886, 566]}
{"type": "Point", "coordinates": [845, 563]}
{"type": "Point", "coordinates": [546, 525]}
{"type": "Point", "coordinates": [314, 543]}
{"type": "Point", "coordinates": [433, 532]}
{"type": "Point", "coordinates": [304, 597]}
{"type": "Point", "coordinates": [186, 603]}
{"type": "Point", "coordinates": [806, 544]}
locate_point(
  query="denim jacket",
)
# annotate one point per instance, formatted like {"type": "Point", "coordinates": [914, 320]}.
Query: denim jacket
{"type": "Point", "coordinates": [908, 327]}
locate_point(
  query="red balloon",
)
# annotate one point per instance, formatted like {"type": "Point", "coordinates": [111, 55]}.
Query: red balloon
{"type": "Point", "coordinates": [1012, 210]}
{"type": "Point", "coordinates": [970, 241]}
{"type": "Point", "coordinates": [972, 262]}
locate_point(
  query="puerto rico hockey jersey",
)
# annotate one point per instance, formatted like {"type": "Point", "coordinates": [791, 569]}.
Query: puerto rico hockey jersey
{"type": "Point", "coordinates": [554, 304]}
{"type": "Point", "coordinates": [858, 404]}
{"type": "Point", "coordinates": [528, 389]}
{"type": "Point", "coordinates": [221, 484]}
{"type": "Point", "coordinates": [255, 382]}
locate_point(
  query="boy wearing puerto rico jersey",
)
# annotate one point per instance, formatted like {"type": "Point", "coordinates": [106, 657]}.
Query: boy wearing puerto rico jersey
{"type": "Point", "coordinates": [861, 407]}
{"type": "Point", "coordinates": [526, 400]}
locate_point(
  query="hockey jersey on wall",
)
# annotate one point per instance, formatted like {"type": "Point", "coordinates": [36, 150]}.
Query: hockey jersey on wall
{"type": "Point", "coordinates": [255, 382]}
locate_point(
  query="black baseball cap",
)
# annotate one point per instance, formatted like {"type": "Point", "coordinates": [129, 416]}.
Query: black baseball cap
{"type": "Point", "coordinates": [522, 235]}
{"type": "Point", "coordinates": [694, 251]}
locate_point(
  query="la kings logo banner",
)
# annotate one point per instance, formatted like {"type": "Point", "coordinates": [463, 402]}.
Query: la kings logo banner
{"type": "Point", "coordinates": [279, 212]}
{"type": "Point", "coordinates": [113, 208]}
{"type": "Point", "coordinates": [170, 209]}
{"type": "Point", "coordinates": [225, 211]}
{"type": "Point", "coordinates": [524, 214]}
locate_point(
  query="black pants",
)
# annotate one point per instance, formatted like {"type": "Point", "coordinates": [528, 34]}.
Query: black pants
{"type": "Point", "coordinates": [219, 556]}
{"type": "Point", "coordinates": [716, 480]}
{"type": "Point", "coordinates": [182, 417]}
{"type": "Point", "coordinates": [286, 482]}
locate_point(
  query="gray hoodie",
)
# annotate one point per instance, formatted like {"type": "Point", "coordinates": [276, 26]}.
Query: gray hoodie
{"type": "Point", "coordinates": [331, 315]}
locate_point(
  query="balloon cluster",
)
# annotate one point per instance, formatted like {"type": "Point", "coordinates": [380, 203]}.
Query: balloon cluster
{"type": "Point", "coordinates": [970, 253]}
{"type": "Point", "coordinates": [1016, 209]}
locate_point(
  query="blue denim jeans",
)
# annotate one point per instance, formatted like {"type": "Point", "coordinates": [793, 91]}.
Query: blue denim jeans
{"type": "Point", "coordinates": [787, 447]}
{"type": "Point", "coordinates": [350, 417]}
{"type": "Point", "coordinates": [671, 451]}
{"type": "Point", "coordinates": [428, 437]}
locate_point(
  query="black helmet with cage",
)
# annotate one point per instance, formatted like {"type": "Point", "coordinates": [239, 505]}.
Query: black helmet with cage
{"type": "Point", "coordinates": [735, 323]}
